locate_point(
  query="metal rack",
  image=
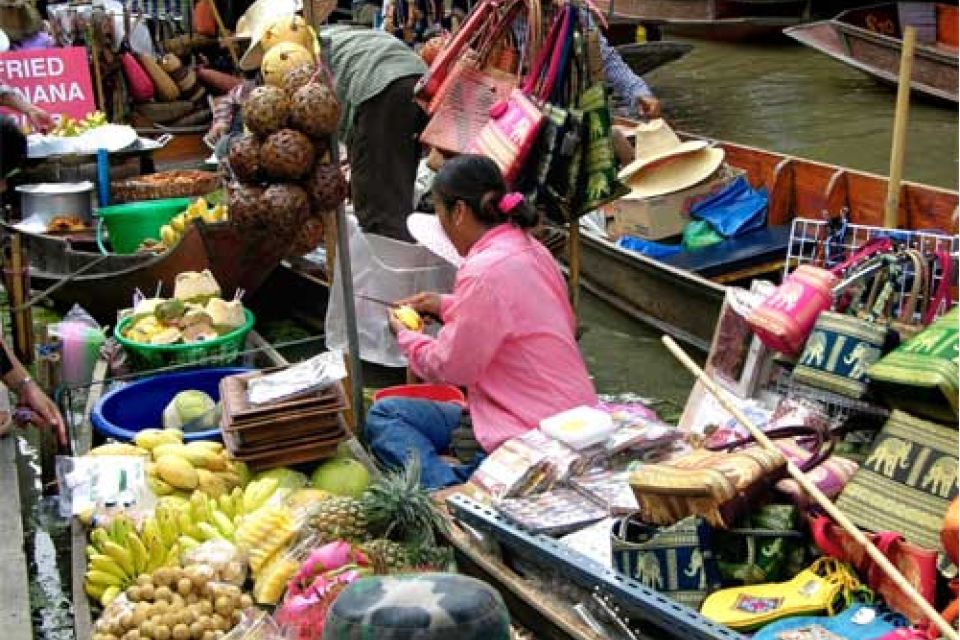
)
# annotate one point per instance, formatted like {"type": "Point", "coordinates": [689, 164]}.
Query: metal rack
{"type": "Point", "coordinates": [633, 599]}
{"type": "Point", "coordinates": [825, 243]}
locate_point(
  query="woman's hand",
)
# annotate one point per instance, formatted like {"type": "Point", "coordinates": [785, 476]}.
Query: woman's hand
{"type": "Point", "coordinates": [427, 304]}
{"type": "Point", "coordinates": [395, 325]}
{"type": "Point", "coordinates": [40, 119]}
{"type": "Point", "coordinates": [33, 396]}
{"type": "Point", "coordinates": [649, 107]}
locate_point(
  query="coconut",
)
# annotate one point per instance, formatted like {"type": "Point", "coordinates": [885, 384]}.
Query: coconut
{"type": "Point", "coordinates": [244, 158]}
{"type": "Point", "coordinates": [287, 155]}
{"type": "Point", "coordinates": [266, 110]}
{"type": "Point", "coordinates": [246, 205]}
{"type": "Point", "coordinates": [298, 77]}
{"type": "Point", "coordinates": [286, 207]}
{"type": "Point", "coordinates": [327, 187]}
{"type": "Point", "coordinates": [314, 110]}
{"type": "Point", "coordinates": [308, 238]}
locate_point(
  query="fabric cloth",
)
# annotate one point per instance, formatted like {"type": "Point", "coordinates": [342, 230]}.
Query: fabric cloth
{"type": "Point", "coordinates": [384, 153]}
{"type": "Point", "coordinates": [364, 63]}
{"type": "Point", "coordinates": [397, 427]}
{"type": "Point", "coordinates": [508, 336]}
{"type": "Point", "coordinates": [423, 606]}
{"type": "Point", "coordinates": [227, 109]}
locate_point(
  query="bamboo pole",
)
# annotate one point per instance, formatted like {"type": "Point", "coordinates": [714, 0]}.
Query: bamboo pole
{"type": "Point", "coordinates": [573, 255]}
{"type": "Point", "coordinates": [900, 128]}
{"type": "Point", "coordinates": [97, 75]}
{"type": "Point", "coordinates": [811, 489]}
{"type": "Point", "coordinates": [224, 34]}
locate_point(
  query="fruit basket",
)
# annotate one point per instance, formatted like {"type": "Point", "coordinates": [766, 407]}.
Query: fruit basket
{"type": "Point", "coordinates": [217, 351]}
{"type": "Point", "coordinates": [166, 184]}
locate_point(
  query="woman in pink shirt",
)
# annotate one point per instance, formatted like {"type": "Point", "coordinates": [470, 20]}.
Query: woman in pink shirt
{"type": "Point", "coordinates": [508, 332]}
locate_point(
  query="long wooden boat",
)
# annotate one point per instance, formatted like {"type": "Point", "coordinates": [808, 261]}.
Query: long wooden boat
{"type": "Point", "coordinates": [869, 39]}
{"type": "Point", "coordinates": [103, 284]}
{"type": "Point", "coordinates": [732, 20]}
{"type": "Point", "coordinates": [683, 296]}
{"type": "Point", "coordinates": [644, 57]}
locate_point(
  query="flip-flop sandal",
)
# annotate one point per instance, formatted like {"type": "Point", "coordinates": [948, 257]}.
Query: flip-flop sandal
{"type": "Point", "coordinates": [859, 622]}
{"type": "Point", "coordinates": [816, 589]}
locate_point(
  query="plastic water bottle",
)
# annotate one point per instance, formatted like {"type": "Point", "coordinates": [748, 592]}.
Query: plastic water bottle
{"type": "Point", "coordinates": [641, 34]}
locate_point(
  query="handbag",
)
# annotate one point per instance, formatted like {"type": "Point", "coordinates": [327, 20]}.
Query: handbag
{"type": "Point", "coordinates": [917, 564]}
{"type": "Point", "coordinates": [921, 375]}
{"type": "Point", "coordinates": [513, 128]}
{"type": "Point", "coordinates": [784, 320]}
{"type": "Point", "coordinates": [677, 561]}
{"type": "Point", "coordinates": [766, 546]}
{"type": "Point", "coordinates": [907, 481]}
{"type": "Point", "coordinates": [719, 487]}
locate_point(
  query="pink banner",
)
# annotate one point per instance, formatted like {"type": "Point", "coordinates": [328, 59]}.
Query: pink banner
{"type": "Point", "coordinates": [56, 80]}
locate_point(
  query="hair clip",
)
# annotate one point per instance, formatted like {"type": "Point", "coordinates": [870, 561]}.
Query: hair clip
{"type": "Point", "coordinates": [509, 202]}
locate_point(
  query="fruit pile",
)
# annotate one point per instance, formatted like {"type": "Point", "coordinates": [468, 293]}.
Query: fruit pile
{"type": "Point", "coordinates": [171, 603]}
{"type": "Point", "coordinates": [176, 321]}
{"type": "Point", "coordinates": [69, 128]}
{"type": "Point", "coordinates": [170, 234]}
{"type": "Point", "coordinates": [284, 179]}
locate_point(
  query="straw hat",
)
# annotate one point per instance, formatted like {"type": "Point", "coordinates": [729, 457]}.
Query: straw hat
{"type": "Point", "coordinates": [425, 229]}
{"type": "Point", "coordinates": [261, 15]}
{"type": "Point", "coordinates": [4, 41]}
{"type": "Point", "coordinates": [664, 164]}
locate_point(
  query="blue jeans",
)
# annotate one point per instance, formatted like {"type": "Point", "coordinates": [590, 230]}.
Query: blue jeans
{"type": "Point", "coordinates": [397, 427]}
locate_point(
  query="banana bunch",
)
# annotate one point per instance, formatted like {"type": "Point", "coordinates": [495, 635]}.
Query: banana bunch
{"type": "Point", "coordinates": [68, 127]}
{"type": "Point", "coordinates": [204, 518]}
{"type": "Point", "coordinates": [118, 554]}
{"type": "Point", "coordinates": [170, 234]}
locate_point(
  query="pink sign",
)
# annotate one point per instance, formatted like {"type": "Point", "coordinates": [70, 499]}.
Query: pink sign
{"type": "Point", "coordinates": [56, 80]}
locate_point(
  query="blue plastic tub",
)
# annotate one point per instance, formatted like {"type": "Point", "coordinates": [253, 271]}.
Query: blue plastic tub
{"type": "Point", "coordinates": [125, 411]}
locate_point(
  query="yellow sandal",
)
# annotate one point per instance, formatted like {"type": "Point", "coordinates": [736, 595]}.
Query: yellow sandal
{"type": "Point", "coordinates": [814, 590]}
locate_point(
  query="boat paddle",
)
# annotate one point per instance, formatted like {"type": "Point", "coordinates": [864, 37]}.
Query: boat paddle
{"type": "Point", "coordinates": [811, 489]}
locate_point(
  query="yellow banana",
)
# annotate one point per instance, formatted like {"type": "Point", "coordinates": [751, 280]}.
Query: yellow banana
{"type": "Point", "coordinates": [169, 528]}
{"type": "Point", "coordinates": [99, 537]}
{"type": "Point", "coordinates": [107, 564]}
{"type": "Point", "coordinates": [103, 579]}
{"type": "Point", "coordinates": [153, 544]}
{"type": "Point", "coordinates": [223, 524]}
{"type": "Point", "coordinates": [209, 532]}
{"type": "Point", "coordinates": [173, 557]}
{"type": "Point", "coordinates": [187, 525]}
{"type": "Point", "coordinates": [225, 506]}
{"type": "Point", "coordinates": [92, 551]}
{"type": "Point", "coordinates": [95, 591]}
{"type": "Point", "coordinates": [187, 543]}
{"type": "Point", "coordinates": [121, 555]}
{"type": "Point", "coordinates": [109, 595]}
{"type": "Point", "coordinates": [138, 551]}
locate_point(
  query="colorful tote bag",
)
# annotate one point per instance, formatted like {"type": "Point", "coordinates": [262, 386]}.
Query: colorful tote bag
{"type": "Point", "coordinates": [840, 350]}
{"type": "Point", "coordinates": [765, 546]}
{"type": "Point", "coordinates": [921, 376]}
{"type": "Point", "coordinates": [677, 560]}
{"type": "Point", "coordinates": [907, 481]}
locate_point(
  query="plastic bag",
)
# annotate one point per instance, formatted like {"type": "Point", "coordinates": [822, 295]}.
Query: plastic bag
{"type": "Point", "coordinates": [81, 338]}
{"type": "Point", "coordinates": [384, 269]}
{"type": "Point", "coordinates": [301, 379]}
{"type": "Point", "coordinates": [648, 247]}
{"type": "Point", "coordinates": [257, 625]}
{"type": "Point", "coordinates": [100, 487]}
{"type": "Point", "coordinates": [700, 235]}
{"type": "Point", "coordinates": [226, 562]}
{"type": "Point", "coordinates": [735, 210]}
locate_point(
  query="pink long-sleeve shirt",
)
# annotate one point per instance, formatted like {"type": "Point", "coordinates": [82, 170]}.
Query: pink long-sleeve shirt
{"type": "Point", "coordinates": [508, 336]}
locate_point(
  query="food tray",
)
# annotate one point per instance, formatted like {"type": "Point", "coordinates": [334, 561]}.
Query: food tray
{"type": "Point", "coordinates": [301, 452]}
{"type": "Point", "coordinates": [286, 427]}
{"type": "Point", "coordinates": [166, 184]}
{"type": "Point", "coordinates": [332, 430]}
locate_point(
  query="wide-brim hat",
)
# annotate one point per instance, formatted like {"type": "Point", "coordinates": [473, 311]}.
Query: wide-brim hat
{"type": "Point", "coordinates": [675, 173]}
{"type": "Point", "coordinates": [656, 141]}
{"type": "Point", "coordinates": [426, 229]}
{"type": "Point", "coordinates": [255, 21]}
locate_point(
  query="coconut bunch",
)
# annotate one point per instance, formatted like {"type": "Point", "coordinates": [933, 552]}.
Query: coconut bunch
{"type": "Point", "coordinates": [284, 181]}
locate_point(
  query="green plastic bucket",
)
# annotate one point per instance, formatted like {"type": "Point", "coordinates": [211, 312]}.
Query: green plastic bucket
{"type": "Point", "coordinates": [132, 223]}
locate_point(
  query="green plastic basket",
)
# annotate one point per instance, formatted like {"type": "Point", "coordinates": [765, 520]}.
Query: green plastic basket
{"type": "Point", "coordinates": [211, 353]}
{"type": "Point", "coordinates": [132, 223]}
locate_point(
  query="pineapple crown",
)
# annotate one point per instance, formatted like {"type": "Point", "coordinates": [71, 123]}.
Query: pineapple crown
{"type": "Point", "coordinates": [398, 508]}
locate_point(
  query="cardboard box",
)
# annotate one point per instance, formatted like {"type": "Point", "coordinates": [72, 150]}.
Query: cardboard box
{"type": "Point", "coordinates": [663, 216]}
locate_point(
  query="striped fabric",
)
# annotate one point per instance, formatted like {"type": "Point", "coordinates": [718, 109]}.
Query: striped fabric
{"type": "Point", "coordinates": [161, 7]}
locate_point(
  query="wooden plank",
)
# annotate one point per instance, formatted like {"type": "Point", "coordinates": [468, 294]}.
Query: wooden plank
{"type": "Point", "coordinates": [15, 618]}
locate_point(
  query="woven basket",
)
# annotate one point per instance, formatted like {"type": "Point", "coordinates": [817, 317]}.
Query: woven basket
{"type": "Point", "coordinates": [164, 112]}
{"type": "Point", "coordinates": [166, 184]}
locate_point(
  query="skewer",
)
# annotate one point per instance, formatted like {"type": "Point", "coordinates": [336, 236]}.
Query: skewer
{"type": "Point", "coordinates": [811, 489]}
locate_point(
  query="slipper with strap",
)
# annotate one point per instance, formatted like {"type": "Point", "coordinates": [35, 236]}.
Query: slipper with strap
{"type": "Point", "coordinates": [815, 590]}
{"type": "Point", "coordinates": [859, 622]}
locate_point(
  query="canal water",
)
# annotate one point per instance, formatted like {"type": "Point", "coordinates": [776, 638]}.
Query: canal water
{"type": "Point", "coordinates": [778, 96]}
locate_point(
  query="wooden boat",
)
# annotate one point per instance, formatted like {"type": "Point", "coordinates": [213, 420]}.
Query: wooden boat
{"type": "Point", "coordinates": [644, 57]}
{"type": "Point", "coordinates": [104, 284]}
{"type": "Point", "coordinates": [869, 39]}
{"type": "Point", "coordinates": [682, 296]}
{"type": "Point", "coordinates": [732, 20]}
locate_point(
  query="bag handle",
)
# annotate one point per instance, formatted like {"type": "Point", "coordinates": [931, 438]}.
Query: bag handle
{"type": "Point", "coordinates": [871, 248]}
{"type": "Point", "coordinates": [942, 295]}
{"type": "Point", "coordinates": [819, 452]}
{"type": "Point", "coordinates": [552, 48]}
{"type": "Point", "coordinates": [918, 291]}
{"type": "Point", "coordinates": [454, 49]}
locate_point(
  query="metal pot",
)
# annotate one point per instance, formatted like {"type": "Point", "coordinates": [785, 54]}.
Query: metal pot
{"type": "Point", "coordinates": [41, 203]}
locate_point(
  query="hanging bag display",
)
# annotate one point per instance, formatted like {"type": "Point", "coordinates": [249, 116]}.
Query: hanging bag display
{"type": "Point", "coordinates": [783, 321]}
{"type": "Point", "coordinates": [907, 481]}
{"type": "Point", "coordinates": [677, 561]}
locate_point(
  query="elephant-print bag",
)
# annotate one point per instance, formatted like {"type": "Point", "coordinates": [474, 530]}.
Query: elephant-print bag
{"type": "Point", "coordinates": [907, 481]}
{"type": "Point", "coordinates": [677, 561]}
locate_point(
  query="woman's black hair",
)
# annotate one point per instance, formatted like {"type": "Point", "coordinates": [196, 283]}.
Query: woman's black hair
{"type": "Point", "coordinates": [476, 181]}
{"type": "Point", "coordinates": [13, 146]}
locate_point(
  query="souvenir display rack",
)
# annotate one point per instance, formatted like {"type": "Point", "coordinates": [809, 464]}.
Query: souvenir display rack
{"type": "Point", "coordinates": [633, 599]}
{"type": "Point", "coordinates": [815, 242]}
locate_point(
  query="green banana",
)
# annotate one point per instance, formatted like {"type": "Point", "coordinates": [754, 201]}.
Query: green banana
{"type": "Point", "coordinates": [223, 524]}
{"type": "Point", "coordinates": [209, 532]}
{"type": "Point", "coordinates": [99, 537]}
{"type": "Point", "coordinates": [187, 543]}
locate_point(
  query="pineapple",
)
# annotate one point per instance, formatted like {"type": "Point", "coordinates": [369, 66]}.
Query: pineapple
{"type": "Point", "coordinates": [340, 518]}
{"type": "Point", "coordinates": [386, 556]}
{"type": "Point", "coordinates": [399, 509]}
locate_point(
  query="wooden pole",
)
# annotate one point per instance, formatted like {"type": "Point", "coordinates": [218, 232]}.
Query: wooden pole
{"type": "Point", "coordinates": [900, 128]}
{"type": "Point", "coordinates": [22, 326]}
{"type": "Point", "coordinates": [573, 255]}
{"type": "Point", "coordinates": [811, 489]}
{"type": "Point", "coordinates": [224, 34]}
{"type": "Point", "coordinates": [97, 76]}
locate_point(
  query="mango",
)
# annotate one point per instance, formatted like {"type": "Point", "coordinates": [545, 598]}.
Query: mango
{"type": "Point", "coordinates": [169, 450]}
{"type": "Point", "coordinates": [118, 449]}
{"type": "Point", "coordinates": [177, 472]}
{"type": "Point", "coordinates": [210, 483]}
{"type": "Point", "coordinates": [408, 317]}
{"type": "Point", "coordinates": [152, 438]}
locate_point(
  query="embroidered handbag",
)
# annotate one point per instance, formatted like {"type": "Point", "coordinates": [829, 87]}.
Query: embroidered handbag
{"type": "Point", "coordinates": [921, 375]}
{"type": "Point", "coordinates": [784, 320]}
{"type": "Point", "coordinates": [917, 564]}
{"type": "Point", "coordinates": [677, 560]}
{"type": "Point", "coordinates": [907, 481]}
{"type": "Point", "coordinates": [765, 546]}
{"type": "Point", "coordinates": [719, 487]}
{"type": "Point", "coordinates": [513, 128]}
